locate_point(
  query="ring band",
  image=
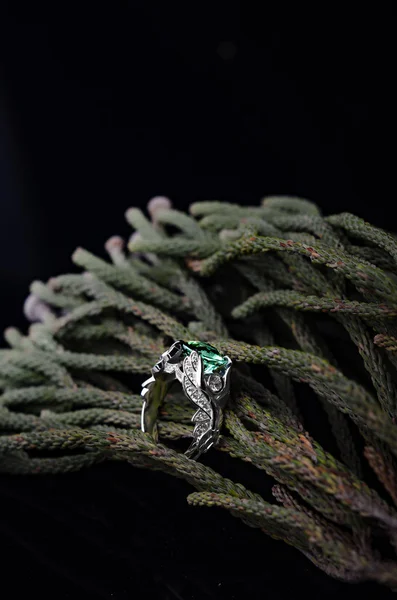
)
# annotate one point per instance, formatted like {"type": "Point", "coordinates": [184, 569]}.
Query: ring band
{"type": "Point", "coordinates": [204, 375]}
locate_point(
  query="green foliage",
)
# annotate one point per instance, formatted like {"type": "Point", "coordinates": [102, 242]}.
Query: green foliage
{"type": "Point", "coordinates": [311, 301]}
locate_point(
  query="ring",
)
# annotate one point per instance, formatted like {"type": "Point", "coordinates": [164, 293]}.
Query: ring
{"type": "Point", "coordinates": [204, 375]}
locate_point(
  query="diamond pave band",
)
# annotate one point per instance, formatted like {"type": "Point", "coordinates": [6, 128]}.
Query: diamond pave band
{"type": "Point", "coordinates": [205, 379]}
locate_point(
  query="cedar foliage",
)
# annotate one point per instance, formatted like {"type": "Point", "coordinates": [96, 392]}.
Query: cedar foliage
{"type": "Point", "coordinates": [305, 305]}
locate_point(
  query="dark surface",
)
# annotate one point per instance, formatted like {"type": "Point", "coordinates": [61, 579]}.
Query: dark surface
{"type": "Point", "coordinates": [99, 112]}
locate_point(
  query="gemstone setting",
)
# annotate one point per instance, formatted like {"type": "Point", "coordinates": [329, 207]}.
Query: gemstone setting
{"type": "Point", "coordinates": [212, 360]}
{"type": "Point", "coordinates": [215, 383]}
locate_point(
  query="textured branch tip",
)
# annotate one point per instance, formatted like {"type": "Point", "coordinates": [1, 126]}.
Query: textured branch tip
{"type": "Point", "coordinates": [35, 309]}
{"type": "Point", "coordinates": [114, 244]}
{"type": "Point", "coordinates": [134, 237]}
{"type": "Point", "coordinates": [88, 276]}
{"type": "Point", "coordinates": [76, 253]}
{"type": "Point", "coordinates": [157, 204]}
{"type": "Point", "coordinates": [115, 248]}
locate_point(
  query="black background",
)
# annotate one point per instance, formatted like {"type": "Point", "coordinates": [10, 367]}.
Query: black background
{"type": "Point", "coordinates": [102, 108]}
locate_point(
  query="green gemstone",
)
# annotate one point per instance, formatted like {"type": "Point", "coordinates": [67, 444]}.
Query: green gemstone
{"type": "Point", "coordinates": [212, 360]}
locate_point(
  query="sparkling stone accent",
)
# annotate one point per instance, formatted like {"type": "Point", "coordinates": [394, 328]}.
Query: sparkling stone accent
{"type": "Point", "coordinates": [194, 360]}
{"type": "Point", "coordinates": [215, 383]}
{"type": "Point", "coordinates": [189, 371]}
{"type": "Point", "coordinates": [203, 403]}
{"type": "Point", "coordinates": [201, 429]}
{"type": "Point", "coordinates": [199, 416]}
{"type": "Point", "coordinates": [196, 395]}
{"type": "Point", "coordinates": [192, 368]}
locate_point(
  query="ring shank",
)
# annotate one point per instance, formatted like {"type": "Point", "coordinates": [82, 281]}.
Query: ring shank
{"type": "Point", "coordinates": [154, 397]}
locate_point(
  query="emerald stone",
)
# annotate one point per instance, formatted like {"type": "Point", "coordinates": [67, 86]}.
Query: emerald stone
{"type": "Point", "coordinates": [212, 360]}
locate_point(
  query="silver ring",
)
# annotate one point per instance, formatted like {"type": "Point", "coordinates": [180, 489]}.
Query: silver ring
{"type": "Point", "coordinates": [204, 375]}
